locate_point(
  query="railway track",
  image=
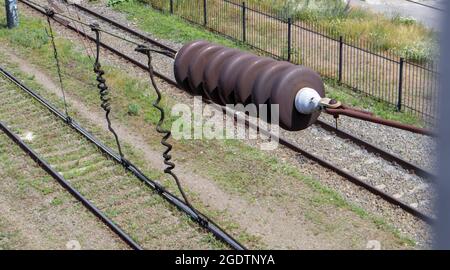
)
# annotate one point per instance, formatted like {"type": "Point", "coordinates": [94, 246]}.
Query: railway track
{"type": "Point", "coordinates": [417, 191]}
{"type": "Point", "coordinates": [341, 133]}
{"type": "Point", "coordinates": [125, 200]}
{"type": "Point", "coordinates": [63, 182]}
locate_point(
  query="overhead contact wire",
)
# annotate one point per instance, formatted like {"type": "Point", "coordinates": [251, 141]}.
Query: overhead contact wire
{"type": "Point", "coordinates": [75, 20]}
{"type": "Point", "coordinates": [83, 39]}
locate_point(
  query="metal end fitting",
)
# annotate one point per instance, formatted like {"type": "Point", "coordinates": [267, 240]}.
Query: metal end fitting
{"type": "Point", "coordinates": [49, 12]}
{"type": "Point", "coordinates": [95, 26]}
{"type": "Point", "coordinates": [142, 49]}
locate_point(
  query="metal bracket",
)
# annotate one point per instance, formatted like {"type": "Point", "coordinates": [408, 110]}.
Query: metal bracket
{"type": "Point", "coordinates": [330, 103]}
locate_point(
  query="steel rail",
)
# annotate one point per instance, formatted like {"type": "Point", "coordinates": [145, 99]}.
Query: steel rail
{"type": "Point", "coordinates": [210, 226]}
{"type": "Point", "coordinates": [67, 186]}
{"type": "Point", "coordinates": [352, 178]}
{"type": "Point", "coordinates": [370, 147]}
{"type": "Point", "coordinates": [293, 146]}
{"type": "Point", "coordinates": [375, 149]}
{"type": "Point", "coordinates": [124, 27]}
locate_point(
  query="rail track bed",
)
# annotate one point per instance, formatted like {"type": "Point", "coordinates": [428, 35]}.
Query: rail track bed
{"type": "Point", "coordinates": [138, 210]}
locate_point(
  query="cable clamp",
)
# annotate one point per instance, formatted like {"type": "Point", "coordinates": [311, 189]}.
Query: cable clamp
{"type": "Point", "coordinates": [95, 26]}
{"type": "Point", "coordinates": [125, 162]}
{"type": "Point", "coordinates": [142, 49]}
{"type": "Point", "coordinates": [49, 12]}
{"type": "Point", "coordinates": [158, 188]}
{"type": "Point", "coordinates": [202, 221]}
{"type": "Point", "coordinates": [329, 103]}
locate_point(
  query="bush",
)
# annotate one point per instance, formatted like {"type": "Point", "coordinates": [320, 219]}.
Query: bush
{"type": "Point", "coordinates": [115, 2]}
{"type": "Point", "coordinates": [397, 19]}
{"type": "Point", "coordinates": [30, 37]}
{"type": "Point", "coordinates": [418, 51]}
{"type": "Point", "coordinates": [133, 109]}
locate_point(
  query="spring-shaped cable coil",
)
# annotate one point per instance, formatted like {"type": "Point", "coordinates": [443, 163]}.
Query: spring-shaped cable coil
{"type": "Point", "coordinates": [166, 133]}
{"type": "Point", "coordinates": [104, 93]}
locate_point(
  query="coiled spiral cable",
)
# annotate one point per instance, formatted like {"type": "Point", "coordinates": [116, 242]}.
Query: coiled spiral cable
{"type": "Point", "coordinates": [166, 133]}
{"type": "Point", "coordinates": [104, 92]}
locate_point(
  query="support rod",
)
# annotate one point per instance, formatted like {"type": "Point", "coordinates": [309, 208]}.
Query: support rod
{"type": "Point", "coordinates": [367, 117]}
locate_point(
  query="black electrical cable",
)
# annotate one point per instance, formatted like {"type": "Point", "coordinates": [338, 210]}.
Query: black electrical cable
{"type": "Point", "coordinates": [83, 23]}
{"type": "Point", "coordinates": [104, 93]}
{"type": "Point", "coordinates": [83, 41]}
{"type": "Point", "coordinates": [166, 133]}
{"type": "Point", "coordinates": [49, 14]}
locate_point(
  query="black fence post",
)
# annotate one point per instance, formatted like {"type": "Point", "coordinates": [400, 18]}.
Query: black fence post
{"type": "Point", "coordinates": [289, 39]}
{"type": "Point", "coordinates": [205, 13]}
{"type": "Point", "coordinates": [341, 52]}
{"type": "Point", "coordinates": [400, 84]}
{"type": "Point", "coordinates": [171, 6]}
{"type": "Point", "coordinates": [244, 37]}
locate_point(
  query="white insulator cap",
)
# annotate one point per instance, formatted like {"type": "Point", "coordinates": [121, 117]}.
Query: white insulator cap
{"type": "Point", "coordinates": [307, 101]}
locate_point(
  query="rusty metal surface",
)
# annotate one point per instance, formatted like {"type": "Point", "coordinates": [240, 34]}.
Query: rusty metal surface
{"type": "Point", "coordinates": [183, 59]}
{"type": "Point", "coordinates": [285, 90]}
{"type": "Point", "coordinates": [264, 82]}
{"type": "Point", "coordinates": [198, 61]}
{"type": "Point", "coordinates": [230, 72]}
{"type": "Point", "coordinates": [370, 118]}
{"type": "Point", "coordinates": [247, 78]}
{"type": "Point", "coordinates": [213, 70]}
{"type": "Point", "coordinates": [227, 76]}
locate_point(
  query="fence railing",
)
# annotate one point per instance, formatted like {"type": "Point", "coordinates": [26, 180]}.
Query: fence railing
{"type": "Point", "coordinates": [406, 85]}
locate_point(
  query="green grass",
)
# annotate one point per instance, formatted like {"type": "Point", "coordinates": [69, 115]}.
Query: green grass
{"type": "Point", "coordinates": [379, 108]}
{"type": "Point", "coordinates": [403, 36]}
{"type": "Point", "coordinates": [232, 171]}
{"type": "Point", "coordinates": [133, 109]}
{"type": "Point", "coordinates": [169, 27]}
{"type": "Point", "coordinates": [27, 180]}
{"type": "Point", "coordinates": [57, 201]}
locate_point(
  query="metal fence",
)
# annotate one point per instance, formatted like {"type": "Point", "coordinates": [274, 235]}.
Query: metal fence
{"type": "Point", "coordinates": [407, 85]}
